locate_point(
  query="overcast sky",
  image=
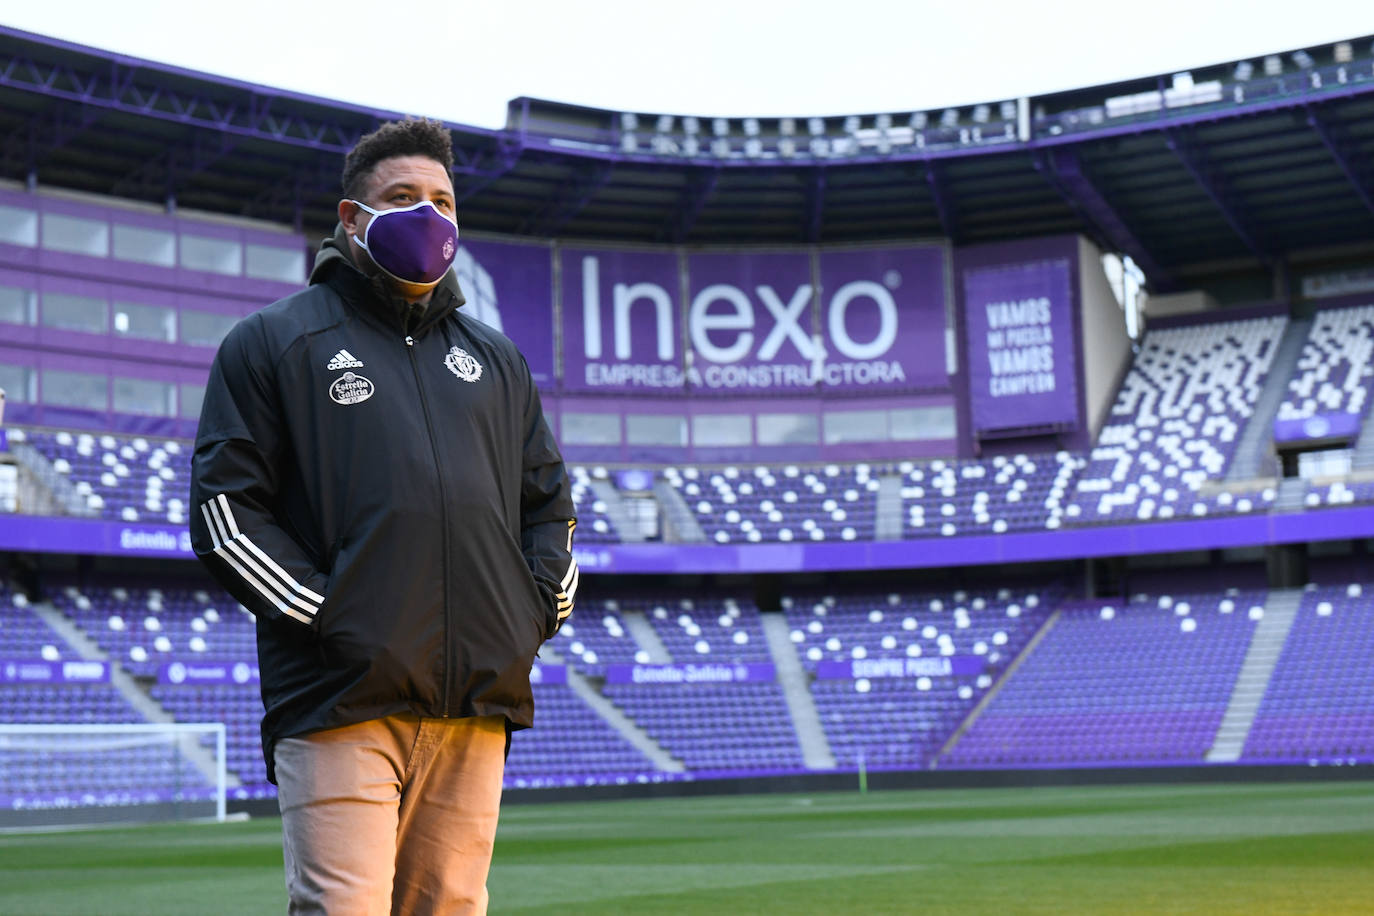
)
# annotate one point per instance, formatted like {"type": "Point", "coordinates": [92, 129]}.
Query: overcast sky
{"type": "Point", "coordinates": [462, 61]}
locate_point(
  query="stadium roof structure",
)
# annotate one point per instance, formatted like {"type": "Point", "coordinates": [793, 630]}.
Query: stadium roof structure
{"type": "Point", "coordinates": [1242, 163]}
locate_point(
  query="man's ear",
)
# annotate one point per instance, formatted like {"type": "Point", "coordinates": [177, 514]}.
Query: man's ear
{"type": "Point", "coordinates": [348, 215]}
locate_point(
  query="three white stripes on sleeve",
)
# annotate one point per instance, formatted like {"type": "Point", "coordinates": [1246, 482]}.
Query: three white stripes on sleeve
{"type": "Point", "coordinates": [569, 583]}
{"type": "Point", "coordinates": [257, 569]}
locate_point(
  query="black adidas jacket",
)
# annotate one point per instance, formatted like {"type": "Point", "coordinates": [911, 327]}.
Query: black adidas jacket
{"type": "Point", "coordinates": [377, 484]}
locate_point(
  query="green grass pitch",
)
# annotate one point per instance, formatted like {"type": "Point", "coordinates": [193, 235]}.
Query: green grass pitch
{"type": "Point", "coordinates": [1213, 849]}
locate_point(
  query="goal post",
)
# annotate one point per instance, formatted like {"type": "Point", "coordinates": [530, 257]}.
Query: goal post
{"type": "Point", "coordinates": [81, 774]}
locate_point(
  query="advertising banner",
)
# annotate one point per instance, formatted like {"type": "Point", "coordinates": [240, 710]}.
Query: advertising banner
{"type": "Point", "coordinates": [882, 319]}
{"type": "Point", "coordinates": [1020, 340]}
{"type": "Point", "coordinates": [30, 671]}
{"type": "Point", "coordinates": [1323, 426]}
{"type": "Point", "coordinates": [208, 672]}
{"type": "Point", "coordinates": [926, 666]}
{"type": "Point", "coordinates": [549, 674]}
{"type": "Point", "coordinates": [622, 321]}
{"type": "Point", "coordinates": [510, 287]}
{"type": "Point", "coordinates": [750, 323]}
{"type": "Point", "coordinates": [724, 673]}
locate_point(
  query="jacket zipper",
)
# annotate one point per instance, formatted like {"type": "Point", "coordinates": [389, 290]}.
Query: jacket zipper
{"type": "Point", "coordinates": [443, 514]}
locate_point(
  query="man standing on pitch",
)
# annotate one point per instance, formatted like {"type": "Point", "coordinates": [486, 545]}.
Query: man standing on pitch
{"type": "Point", "coordinates": [373, 478]}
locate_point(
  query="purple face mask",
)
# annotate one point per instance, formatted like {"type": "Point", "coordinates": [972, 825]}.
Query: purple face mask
{"type": "Point", "coordinates": [414, 244]}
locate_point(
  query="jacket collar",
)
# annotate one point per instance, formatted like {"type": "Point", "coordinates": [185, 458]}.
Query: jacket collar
{"type": "Point", "coordinates": [335, 267]}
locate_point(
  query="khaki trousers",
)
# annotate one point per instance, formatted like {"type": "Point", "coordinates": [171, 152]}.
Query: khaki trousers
{"type": "Point", "coordinates": [392, 816]}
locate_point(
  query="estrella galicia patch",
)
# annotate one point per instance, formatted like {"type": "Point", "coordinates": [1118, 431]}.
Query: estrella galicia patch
{"type": "Point", "coordinates": [462, 364]}
{"type": "Point", "coordinates": [351, 388]}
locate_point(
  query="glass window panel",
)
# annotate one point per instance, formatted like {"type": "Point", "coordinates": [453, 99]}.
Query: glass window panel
{"type": "Point", "coordinates": [18, 305]}
{"type": "Point", "coordinates": [71, 312]}
{"type": "Point", "coordinates": [146, 246]}
{"type": "Point", "coordinates": [19, 383]}
{"type": "Point", "coordinates": [191, 398]}
{"type": "Point", "coordinates": [855, 426]}
{"type": "Point", "coordinates": [719, 429]}
{"type": "Point", "coordinates": [205, 329]}
{"type": "Point", "coordinates": [216, 256]}
{"type": "Point", "coordinates": [789, 429]}
{"type": "Point", "coordinates": [591, 428]}
{"type": "Point", "coordinates": [19, 226]}
{"type": "Point", "coordinates": [146, 322]}
{"type": "Point", "coordinates": [76, 235]}
{"type": "Point", "coordinates": [268, 262]}
{"type": "Point", "coordinates": [656, 429]}
{"type": "Point", "coordinates": [911, 424]}
{"type": "Point", "coordinates": [74, 389]}
{"type": "Point", "coordinates": [143, 396]}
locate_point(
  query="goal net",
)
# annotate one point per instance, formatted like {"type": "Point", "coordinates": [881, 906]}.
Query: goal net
{"type": "Point", "coordinates": [69, 775]}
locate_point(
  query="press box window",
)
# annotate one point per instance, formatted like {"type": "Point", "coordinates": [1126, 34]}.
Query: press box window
{"type": "Point", "coordinates": [914, 424]}
{"type": "Point", "coordinates": [18, 305]}
{"type": "Point", "coordinates": [19, 226]}
{"type": "Point", "coordinates": [191, 398]}
{"type": "Point", "coordinates": [19, 383]}
{"type": "Point", "coordinates": [267, 262]}
{"type": "Point", "coordinates": [655, 429]}
{"type": "Point", "coordinates": [789, 429]}
{"type": "Point", "coordinates": [75, 389]}
{"type": "Point", "coordinates": [69, 312]}
{"type": "Point", "coordinates": [143, 396]}
{"type": "Point", "coordinates": [843, 426]}
{"type": "Point", "coordinates": [205, 329]}
{"type": "Point", "coordinates": [591, 428]}
{"type": "Point", "coordinates": [75, 235]}
{"type": "Point", "coordinates": [722, 429]}
{"type": "Point", "coordinates": [216, 256]}
{"type": "Point", "coordinates": [145, 246]}
{"type": "Point", "coordinates": [145, 322]}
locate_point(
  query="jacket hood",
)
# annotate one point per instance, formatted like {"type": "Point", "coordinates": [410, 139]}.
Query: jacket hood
{"type": "Point", "coordinates": [334, 263]}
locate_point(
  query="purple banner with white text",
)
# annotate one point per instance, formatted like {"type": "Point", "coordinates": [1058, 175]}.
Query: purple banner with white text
{"type": "Point", "coordinates": [510, 287]}
{"type": "Point", "coordinates": [30, 671]}
{"type": "Point", "coordinates": [622, 324]}
{"type": "Point", "coordinates": [882, 318]}
{"type": "Point", "coordinates": [1323, 426]}
{"type": "Point", "coordinates": [750, 323]}
{"type": "Point", "coordinates": [1022, 372]}
{"type": "Point", "coordinates": [723, 673]}
{"type": "Point", "coordinates": [208, 672]}
{"type": "Point", "coordinates": [926, 666]}
{"type": "Point", "coordinates": [549, 674]}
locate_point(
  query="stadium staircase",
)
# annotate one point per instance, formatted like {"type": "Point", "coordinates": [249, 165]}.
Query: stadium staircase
{"type": "Point", "coordinates": [888, 519]}
{"type": "Point", "coordinates": [627, 522]}
{"type": "Point", "coordinates": [806, 721]}
{"type": "Point", "coordinates": [646, 637]}
{"type": "Point", "coordinates": [1362, 458]}
{"type": "Point", "coordinates": [608, 711]}
{"type": "Point", "coordinates": [1260, 659]}
{"type": "Point", "coordinates": [995, 689]}
{"type": "Point", "coordinates": [679, 521]}
{"type": "Point", "coordinates": [1254, 457]}
{"type": "Point", "coordinates": [137, 697]}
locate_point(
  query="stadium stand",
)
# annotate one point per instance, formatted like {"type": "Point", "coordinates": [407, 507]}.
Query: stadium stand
{"type": "Point", "coordinates": [1143, 682]}
{"type": "Point", "coordinates": [1333, 374]}
{"type": "Point", "coordinates": [997, 495]}
{"type": "Point", "coordinates": [1175, 424]}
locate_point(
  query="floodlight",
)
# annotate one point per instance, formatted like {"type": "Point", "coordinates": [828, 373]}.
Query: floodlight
{"type": "Point", "coordinates": [690, 125]}
{"type": "Point", "coordinates": [751, 127]}
{"type": "Point", "coordinates": [665, 123]}
{"type": "Point", "coordinates": [629, 120]}
{"type": "Point", "coordinates": [1244, 70]}
{"type": "Point", "coordinates": [982, 114]}
{"type": "Point", "coordinates": [1007, 111]}
{"type": "Point", "coordinates": [919, 119]}
{"type": "Point", "coordinates": [950, 117]}
{"type": "Point", "coordinates": [851, 124]}
{"type": "Point", "coordinates": [720, 127]}
{"type": "Point", "coordinates": [787, 126]}
{"type": "Point", "coordinates": [884, 122]}
{"type": "Point", "coordinates": [1273, 65]}
{"type": "Point", "coordinates": [1343, 52]}
{"type": "Point", "coordinates": [816, 126]}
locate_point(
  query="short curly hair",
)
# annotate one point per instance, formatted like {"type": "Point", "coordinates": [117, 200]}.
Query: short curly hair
{"type": "Point", "coordinates": [411, 137]}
